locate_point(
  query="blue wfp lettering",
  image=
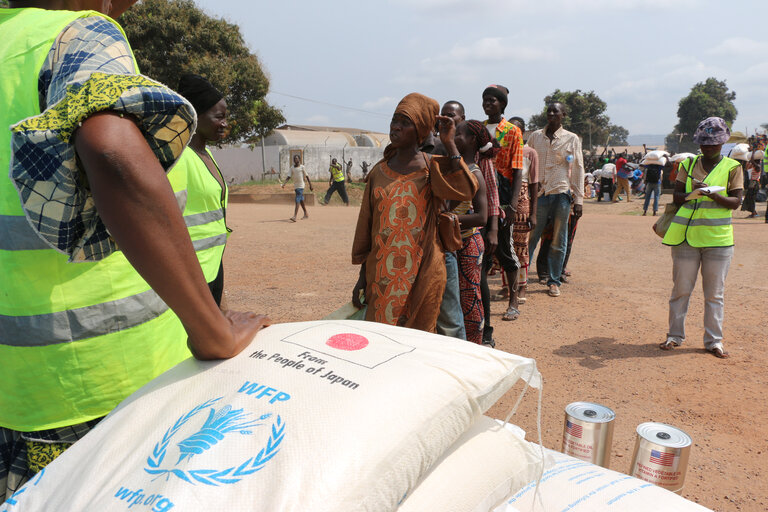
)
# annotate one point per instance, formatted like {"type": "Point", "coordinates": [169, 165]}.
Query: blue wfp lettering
{"type": "Point", "coordinates": [251, 388]}
{"type": "Point", "coordinates": [157, 501]}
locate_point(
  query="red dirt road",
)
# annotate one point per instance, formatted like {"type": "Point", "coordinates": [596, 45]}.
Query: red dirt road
{"type": "Point", "coordinates": [597, 342]}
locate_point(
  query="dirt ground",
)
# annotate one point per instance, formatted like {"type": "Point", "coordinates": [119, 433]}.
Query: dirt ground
{"type": "Point", "coordinates": [597, 342]}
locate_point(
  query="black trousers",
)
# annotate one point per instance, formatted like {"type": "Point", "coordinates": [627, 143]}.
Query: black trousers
{"type": "Point", "coordinates": [339, 187]}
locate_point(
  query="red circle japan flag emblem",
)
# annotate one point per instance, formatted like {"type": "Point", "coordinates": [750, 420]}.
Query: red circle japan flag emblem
{"type": "Point", "coordinates": [347, 341]}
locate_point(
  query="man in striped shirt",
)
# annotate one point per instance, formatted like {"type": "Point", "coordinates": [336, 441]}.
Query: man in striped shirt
{"type": "Point", "coordinates": [561, 168]}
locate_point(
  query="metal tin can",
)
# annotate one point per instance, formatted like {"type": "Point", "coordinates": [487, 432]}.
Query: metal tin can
{"type": "Point", "coordinates": [588, 432]}
{"type": "Point", "coordinates": [661, 455]}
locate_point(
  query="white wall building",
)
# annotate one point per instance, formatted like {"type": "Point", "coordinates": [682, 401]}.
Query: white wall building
{"type": "Point", "coordinates": [315, 144]}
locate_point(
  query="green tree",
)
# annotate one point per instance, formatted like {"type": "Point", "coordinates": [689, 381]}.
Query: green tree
{"type": "Point", "coordinates": [173, 37]}
{"type": "Point", "coordinates": [706, 99]}
{"type": "Point", "coordinates": [586, 117]}
{"type": "Point", "coordinates": [3, 3]}
{"type": "Point", "coordinates": [617, 135]}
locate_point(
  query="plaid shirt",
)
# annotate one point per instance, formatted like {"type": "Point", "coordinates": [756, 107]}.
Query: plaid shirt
{"type": "Point", "coordinates": [88, 69]}
{"type": "Point", "coordinates": [557, 174]}
{"type": "Point", "coordinates": [510, 158]}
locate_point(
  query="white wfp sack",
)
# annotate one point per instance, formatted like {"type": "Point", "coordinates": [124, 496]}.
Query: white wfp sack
{"type": "Point", "coordinates": [654, 161]}
{"type": "Point", "coordinates": [578, 486]}
{"type": "Point", "coordinates": [656, 155]}
{"type": "Point", "coordinates": [487, 465]}
{"type": "Point", "coordinates": [313, 416]}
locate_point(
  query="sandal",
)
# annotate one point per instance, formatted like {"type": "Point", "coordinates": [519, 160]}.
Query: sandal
{"type": "Point", "coordinates": [512, 313]}
{"type": "Point", "coordinates": [668, 345]}
{"type": "Point", "coordinates": [719, 353]}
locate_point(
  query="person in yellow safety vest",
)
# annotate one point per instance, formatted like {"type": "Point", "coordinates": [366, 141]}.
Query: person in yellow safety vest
{"type": "Point", "coordinates": [336, 182]}
{"type": "Point", "coordinates": [207, 194]}
{"type": "Point", "coordinates": [101, 290]}
{"type": "Point", "coordinates": [701, 233]}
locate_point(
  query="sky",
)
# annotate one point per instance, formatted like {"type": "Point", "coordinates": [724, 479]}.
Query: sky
{"type": "Point", "coordinates": [339, 63]}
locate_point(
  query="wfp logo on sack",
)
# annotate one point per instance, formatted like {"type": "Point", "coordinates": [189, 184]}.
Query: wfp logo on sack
{"type": "Point", "coordinates": [193, 441]}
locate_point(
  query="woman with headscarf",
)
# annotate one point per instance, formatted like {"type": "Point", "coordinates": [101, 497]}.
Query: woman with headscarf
{"type": "Point", "coordinates": [701, 234]}
{"type": "Point", "coordinates": [402, 264]}
{"type": "Point", "coordinates": [206, 206]}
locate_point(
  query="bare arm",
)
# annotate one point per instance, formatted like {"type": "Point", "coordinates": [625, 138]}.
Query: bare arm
{"type": "Point", "coordinates": [136, 203]}
{"type": "Point", "coordinates": [479, 206]}
{"type": "Point", "coordinates": [533, 192]}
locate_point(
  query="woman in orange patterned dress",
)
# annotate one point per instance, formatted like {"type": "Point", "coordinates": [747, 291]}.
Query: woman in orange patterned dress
{"type": "Point", "coordinates": [402, 264]}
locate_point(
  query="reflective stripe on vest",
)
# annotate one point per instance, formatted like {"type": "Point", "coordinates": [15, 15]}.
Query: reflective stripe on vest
{"type": "Point", "coordinates": [204, 213]}
{"type": "Point", "coordinates": [17, 235]}
{"type": "Point", "coordinates": [81, 323]}
{"type": "Point", "coordinates": [75, 338]}
{"type": "Point", "coordinates": [703, 222]}
{"type": "Point", "coordinates": [198, 219]}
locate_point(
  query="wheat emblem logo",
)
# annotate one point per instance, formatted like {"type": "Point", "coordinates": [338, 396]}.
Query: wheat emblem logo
{"type": "Point", "coordinates": [217, 426]}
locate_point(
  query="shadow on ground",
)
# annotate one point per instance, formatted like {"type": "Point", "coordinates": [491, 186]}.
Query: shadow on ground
{"type": "Point", "coordinates": [595, 352]}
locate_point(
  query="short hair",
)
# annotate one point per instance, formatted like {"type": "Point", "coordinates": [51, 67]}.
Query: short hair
{"type": "Point", "coordinates": [519, 120]}
{"type": "Point", "coordinates": [457, 103]}
{"type": "Point", "coordinates": [563, 105]}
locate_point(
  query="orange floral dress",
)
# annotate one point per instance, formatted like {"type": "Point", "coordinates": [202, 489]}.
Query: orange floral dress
{"type": "Point", "coordinates": [396, 237]}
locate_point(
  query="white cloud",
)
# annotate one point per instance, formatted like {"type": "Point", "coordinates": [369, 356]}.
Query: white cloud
{"type": "Point", "coordinates": [484, 52]}
{"type": "Point", "coordinates": [741, 47]}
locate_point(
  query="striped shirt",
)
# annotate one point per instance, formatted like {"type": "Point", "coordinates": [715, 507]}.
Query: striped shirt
{"type": "Point", "coordinates": [557, 175]}
{"type": "Point", "coordinates": [491, 188]}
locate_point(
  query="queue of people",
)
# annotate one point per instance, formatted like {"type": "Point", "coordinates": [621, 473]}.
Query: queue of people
{"type": "Point", "coordinates": [502, 195]}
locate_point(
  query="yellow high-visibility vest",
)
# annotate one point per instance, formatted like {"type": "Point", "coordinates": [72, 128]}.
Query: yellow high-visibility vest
{"type": "Point", "coordinates": [205, 210]}
{"type": "Point", "coordinates": [75, 338]}
{"type": "Point", "coordinates": [703, 222]}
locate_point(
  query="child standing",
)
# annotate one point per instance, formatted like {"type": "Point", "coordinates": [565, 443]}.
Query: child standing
{"type": "Point", "coordinates": [472, 139]}
{"type": "Point", "coordinates": [298, 175]}
{"type": "Point", "coordinates": [402, 264]}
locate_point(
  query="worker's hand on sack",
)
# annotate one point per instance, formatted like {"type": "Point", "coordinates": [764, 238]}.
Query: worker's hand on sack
{"type": "Point", "coordinates": [243, 326]}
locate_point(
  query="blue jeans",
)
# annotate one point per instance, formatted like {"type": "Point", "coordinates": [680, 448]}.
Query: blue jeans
{"type": "Point", "coordinates": [558, 207]}
{"type": "Point", "coordinates": [451, 319]}
{"type": "Point", "coordinates": [655, 189]}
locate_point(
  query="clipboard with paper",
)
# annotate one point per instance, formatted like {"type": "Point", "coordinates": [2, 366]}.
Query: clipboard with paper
{"type": "Point", "coordinates": [699, 192]}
